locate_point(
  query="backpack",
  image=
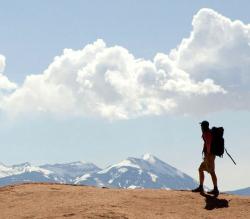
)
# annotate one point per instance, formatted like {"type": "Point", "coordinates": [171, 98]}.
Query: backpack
{"type": "Point", "coordinates": [217, 144]}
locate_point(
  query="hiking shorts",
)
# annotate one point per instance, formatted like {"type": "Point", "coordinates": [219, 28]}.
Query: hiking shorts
{"type": "Point", "coordinates": [208, 163]}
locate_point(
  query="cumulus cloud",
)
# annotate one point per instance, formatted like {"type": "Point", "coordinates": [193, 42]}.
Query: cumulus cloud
{"type": "Point", "coordinates": [207, 72]}
{"type": "Point", "coordinates": [218, 49]}
{"type": "Point", "coordinates": [108, 82]}
{"type": "Point", "coordinates": [2, 63]}
{"type": "Point", "coordinates": [5, 84]}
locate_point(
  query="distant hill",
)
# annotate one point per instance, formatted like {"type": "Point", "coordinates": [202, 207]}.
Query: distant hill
{"type": "Point", "coordinates": [245, 191]}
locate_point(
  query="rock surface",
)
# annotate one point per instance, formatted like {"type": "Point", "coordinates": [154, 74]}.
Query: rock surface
{"type": "Point", "coordinates": [43, 200]}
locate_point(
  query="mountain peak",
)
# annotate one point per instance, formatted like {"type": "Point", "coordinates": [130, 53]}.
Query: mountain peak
{"type": "Point", "coordinates": [149, 157]}
{"type": "Point", "coordinates": [77, 163]}
{"type": "Point", "coordinates": [26, 164]}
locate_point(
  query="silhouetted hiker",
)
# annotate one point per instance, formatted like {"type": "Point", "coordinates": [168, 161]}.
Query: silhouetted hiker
{"type": "Point", "coordinates": [208, 161]}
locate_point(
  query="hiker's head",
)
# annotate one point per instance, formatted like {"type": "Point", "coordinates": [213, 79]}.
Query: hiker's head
{"type": "Point", "coordinates": [204, 125]}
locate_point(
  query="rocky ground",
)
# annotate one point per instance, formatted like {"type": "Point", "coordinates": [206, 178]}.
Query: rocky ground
{"type": "Point", "coordinates": [67, 201]}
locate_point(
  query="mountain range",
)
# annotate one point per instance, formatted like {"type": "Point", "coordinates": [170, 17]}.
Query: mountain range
{"type": "Point", "coordinates": [146, 172]}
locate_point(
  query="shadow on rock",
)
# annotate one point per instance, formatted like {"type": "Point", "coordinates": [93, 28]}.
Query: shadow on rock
{"type": "Point", "coordinates": [213, 202]}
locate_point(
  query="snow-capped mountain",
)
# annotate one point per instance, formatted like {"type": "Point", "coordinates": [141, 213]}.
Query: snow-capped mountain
{"type": "Point", "coordinates": [25, 172]}
{"type": "Point", "coordinates": [6, 170]}
{"type": "Point", "coordinates": [244, 191]}
{"type": "Point", "coordinates": [69, 171]}
{"type": "Point", "coordinates": [148, 172]}
{"type": "Point", "coordinates": [19, 169]}
{"type": "Point", "coordinates": [60, 173]}
{"type": "Point", "coordinates": [145, 172]}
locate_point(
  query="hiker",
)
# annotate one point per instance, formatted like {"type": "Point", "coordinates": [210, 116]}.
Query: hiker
{"type": "Point", "coordinates": [208, 163]}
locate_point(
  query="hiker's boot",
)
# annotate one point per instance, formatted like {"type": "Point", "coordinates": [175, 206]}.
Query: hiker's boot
{"type": "Point", "coordinates": [214, 192]}
{"type": "Point", "coordinates": [199, 189]}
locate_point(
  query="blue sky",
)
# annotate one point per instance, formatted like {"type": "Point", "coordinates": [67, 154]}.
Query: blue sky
{"type": "Point", "coordinates": [33, 33]}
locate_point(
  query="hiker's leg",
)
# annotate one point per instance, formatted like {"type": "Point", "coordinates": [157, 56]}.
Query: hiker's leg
{"type": "Point", "coordinates": [201, 176]}
{"type": "Point", "coordinates": [214, 179]}
{"type": "Point", "coordinates": [202, 168]}
{"type": "Point", "coordinates": [215, 191]}
{"type": "Point", "coordinates": [211, 162]}
{"type": "Point", "coordinates": [200, 187]}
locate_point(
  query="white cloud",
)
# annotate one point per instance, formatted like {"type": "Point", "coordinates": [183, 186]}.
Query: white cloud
{"type": "Point", "coordinates": [219, 49]}
{"type": "Point", "coordinates": [5, 84]}
{"type": "Point", "coordinates": [207, 72]}
{"type": "Point", "coordinates": [2, 63]}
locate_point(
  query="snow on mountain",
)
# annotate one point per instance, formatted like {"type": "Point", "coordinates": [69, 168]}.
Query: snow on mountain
{"type": "Point", "coordinates": [60, 173]}
{"type": "Point", "coordinates": [148, 172]}
{"type": "Point", "coordinates": [25, 172]}
{"type": "Point", "coordinates": [19, 169]}
{"type": "Point", "coordinates": [5, 170]}
{"type": "Point", "coordinates": [145, 172]}
{"type": "Point", "coordinates": [69, 171]}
